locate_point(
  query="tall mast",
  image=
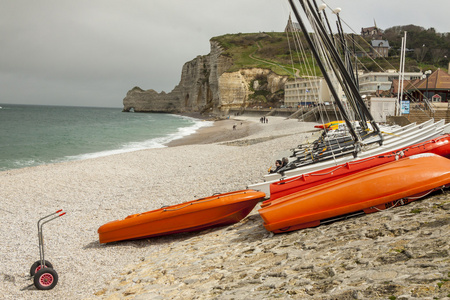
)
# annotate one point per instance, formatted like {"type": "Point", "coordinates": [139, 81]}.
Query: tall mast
{"type": "Point", "coordinates": [401, 77]}
{"type": "Point", "coordinates": [342, 70]}
{"type": "Point", "coordinates": [356, 138]}
{"type": "Point", "coordinates": [349, 68]}
{"type": "Point", "coordinates": [346, 81]}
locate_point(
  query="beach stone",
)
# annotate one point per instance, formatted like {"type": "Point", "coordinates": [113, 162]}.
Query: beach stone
{"type": "Point", "coordinates": [147, 296]}
{"type": "Point", "coordinates": [316, 263]}
{"type": "Point", "coordinates": [387, 275]}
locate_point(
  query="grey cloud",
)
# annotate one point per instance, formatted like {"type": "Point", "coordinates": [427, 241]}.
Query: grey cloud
{"type": "Point", "coordinates": [92, 52]}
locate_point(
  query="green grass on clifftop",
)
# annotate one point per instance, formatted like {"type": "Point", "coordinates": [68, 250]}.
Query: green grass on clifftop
{"type": "Point", "coordinates": [264, 50]}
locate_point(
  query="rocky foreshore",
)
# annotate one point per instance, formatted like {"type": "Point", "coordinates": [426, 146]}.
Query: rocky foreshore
{"type": "Point", "coordinates": [400, 253]}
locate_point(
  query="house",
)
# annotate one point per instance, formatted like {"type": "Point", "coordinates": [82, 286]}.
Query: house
{"type": "Point", "coordinates": [372, 32]}
{"type": "Point", "coordinates": [380, 48]}
{"type": "Point", "coordinates": [292, 26]}
{"type": "Point", "coordinates": [435, 87]}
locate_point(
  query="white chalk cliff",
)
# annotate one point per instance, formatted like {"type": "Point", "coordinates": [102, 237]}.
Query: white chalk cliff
{"type": "Point", "coordinates": [207, 87]}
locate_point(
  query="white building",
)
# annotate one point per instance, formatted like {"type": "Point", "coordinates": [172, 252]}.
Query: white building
{"type": "Point", "coordinates": [306, 91]}
{"type": "Point", "coordinates": [375, 82]}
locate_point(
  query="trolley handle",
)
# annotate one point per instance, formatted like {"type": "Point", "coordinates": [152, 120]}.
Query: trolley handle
{"type": "Point", "coordinates": [56, 212]}
{"type": "Point", "coordinates": [41, 221]}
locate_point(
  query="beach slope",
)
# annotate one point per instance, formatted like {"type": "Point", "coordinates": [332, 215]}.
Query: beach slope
{"type": "Point", "coordinates": [403, 251]}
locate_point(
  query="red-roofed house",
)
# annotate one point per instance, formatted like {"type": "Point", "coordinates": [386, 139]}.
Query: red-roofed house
{"type": "Point", "coordinates": [436, 87]}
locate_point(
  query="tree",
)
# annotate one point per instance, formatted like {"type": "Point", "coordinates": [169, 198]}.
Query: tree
{"type": "Point", "coordinates": [420, 52]}
{"type": "Point", "coordinates": [438, 55]}
{"type": "Point", "coordinates": [430, 47]}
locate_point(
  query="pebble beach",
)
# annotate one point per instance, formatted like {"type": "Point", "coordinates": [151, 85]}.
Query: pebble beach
{"type": "Point", "coordinates": [401, 253]}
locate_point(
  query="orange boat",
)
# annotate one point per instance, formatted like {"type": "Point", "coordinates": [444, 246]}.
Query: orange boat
{"type": "Point", "coordinates": [389, 185]}
{"type": "Point", "coordinates": [439, 145]}
{"type": "Point", "coordinates": [213, 211]}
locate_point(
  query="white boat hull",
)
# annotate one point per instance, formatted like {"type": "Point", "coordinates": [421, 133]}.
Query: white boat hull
{"type": "Point", "coordinates": [398, 138]}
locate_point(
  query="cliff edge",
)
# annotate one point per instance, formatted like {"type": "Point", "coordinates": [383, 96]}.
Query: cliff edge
{"type": "Point", "coordinates": [207, 87]}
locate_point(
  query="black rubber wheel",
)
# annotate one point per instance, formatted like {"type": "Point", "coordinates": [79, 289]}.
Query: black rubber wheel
{"type": "Point", "coordinates": [45, 279]}
{"type": "Point", "coordinates": [37, 266]}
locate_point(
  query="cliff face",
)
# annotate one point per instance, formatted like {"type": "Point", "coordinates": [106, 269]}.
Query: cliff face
{"type": "Point", "coordinates": [150, 101]}
{"type": "Point", "coordinates": [206, 87]}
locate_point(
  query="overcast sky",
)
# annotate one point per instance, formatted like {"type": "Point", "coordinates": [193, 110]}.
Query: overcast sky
{"type": "Point", "coordinates": [90, 53]}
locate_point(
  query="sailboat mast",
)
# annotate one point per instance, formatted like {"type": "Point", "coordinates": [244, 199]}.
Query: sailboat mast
{"type": "Point", "coordinates": [356, 61]}
{"type": "Point", "coordinates": [329, 27]}
{"type": "Point", "coordinates": [341, 67]}
{"type": "Point", "coordinates": [325, 74]}
{"type": "Point", "coordinates": [401, 76]}
{"type": "Point", "coordinates": [350, 71]}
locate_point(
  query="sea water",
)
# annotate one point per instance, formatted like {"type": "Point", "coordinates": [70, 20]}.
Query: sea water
{"type": "Point", "coordinates": [35, 135]}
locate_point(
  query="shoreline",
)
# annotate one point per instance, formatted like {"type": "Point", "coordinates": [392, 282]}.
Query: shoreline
{"type": "Point", "coordinates": [217, 132]}
{"type": "Point", "coordinates": [220, 131]}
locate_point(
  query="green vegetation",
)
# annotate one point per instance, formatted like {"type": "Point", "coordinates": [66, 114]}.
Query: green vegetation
{"type": "Point", "coordinates": [274, 50]}
{"type": "Point", "coordinates": [264, 50]}
{"type": "Point", "coordinates": [427, 47]}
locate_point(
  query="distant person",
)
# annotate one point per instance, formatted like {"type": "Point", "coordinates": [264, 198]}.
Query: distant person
{"type": "Point", "coordinates": [285, 161]}
{"type": "Point", "coordinates": [234, 127]}
{"type": "Point", "coordinates": [278, 165]}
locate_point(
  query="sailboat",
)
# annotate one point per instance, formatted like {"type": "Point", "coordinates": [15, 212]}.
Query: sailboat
{"type": "Point", "coordinates": [357, 138]}
{"type": "Point", "coordinates": [439, 146]}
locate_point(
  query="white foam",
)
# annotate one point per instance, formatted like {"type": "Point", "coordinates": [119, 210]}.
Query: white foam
{"type": "Point", "coordinates": [25, 163]}
{"type": "Point", "coordinates": [159, 142]}
{"type": "Point", "coordinates": [185, 131]}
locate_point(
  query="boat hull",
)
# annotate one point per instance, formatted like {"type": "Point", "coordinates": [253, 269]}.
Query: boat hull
{"type": "Point", "coordinates": [425, 131]}
{"type": "Point", "coordinates": [213, 211]}
{"type": "Point", "coordinates": [368, 191]}
{"type": "Point", "coordinates": [439, 146]}
{"type": "Point", "coordinates": [399, 138]}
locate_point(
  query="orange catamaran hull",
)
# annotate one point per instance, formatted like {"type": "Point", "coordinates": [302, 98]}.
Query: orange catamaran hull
{"type": "Point", "coordinates": [439, 145]}
{"type": "Point", "coordinates": [368, 191]}
{"type": "Point", "coordinates": [213, 211]}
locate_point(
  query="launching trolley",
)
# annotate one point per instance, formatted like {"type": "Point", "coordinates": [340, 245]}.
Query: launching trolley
{"type": "Point", "coordinates": [42, 272]}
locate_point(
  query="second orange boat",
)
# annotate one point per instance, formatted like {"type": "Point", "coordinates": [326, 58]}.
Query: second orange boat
{"type": "Point", "coordinates": [392, 184]}
{"type": "Point", "coordinates": [439, 146]}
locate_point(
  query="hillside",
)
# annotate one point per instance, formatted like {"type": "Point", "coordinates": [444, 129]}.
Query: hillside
{"type": "Point", "coordinates": [263, 50]}
{"type": "Point", "coordinates": [426, 47]}
{"type": "Point", "coordinates": [251, 69]}
{"type": "Point", "coordinates": [274, 51]}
